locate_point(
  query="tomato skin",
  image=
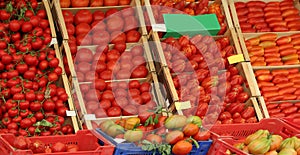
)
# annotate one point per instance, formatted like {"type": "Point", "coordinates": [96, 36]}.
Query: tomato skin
{"type": "Point", "coordinates": [83, 16]}
{"type": "Point", "coordinates": [182, 147]}
{"type": "Point", "coordinates": [174, 136]}
{"type": "Point", "coordinates": [190, 129]}
{"type": "Point", "coordinates": [290, 110]}
{"type": "Point", "coordinates": [202, 135]}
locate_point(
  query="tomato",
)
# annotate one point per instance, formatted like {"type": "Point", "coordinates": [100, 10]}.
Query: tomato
{"type": "Point", "coordinates": [82, 28]}
{"type": "Point", "coordinates": [190, 129]}
{"type": "Point", "coordinates": [114, 111]}
{"type": "Point", "coordinates": [115, 23]}
{"type": "Point", "coordinates": [182, 147]}
{"type": "Point", "coordinates": [290, 110]}
{"type": "Point", "coordinates": [83, 16]}
{"type": "Point", "coordinates": [174, 136]}
{"type": "Point", "coordinates": [202, 135]}
{"type": "Point", "coordinates": [68, 16]}
{"type": "Point", "coordinates": [133, 36]}
{"type": "Point", "coordinates": [83, 3]}
{"type": "Point", "coordinates": [111, 2]}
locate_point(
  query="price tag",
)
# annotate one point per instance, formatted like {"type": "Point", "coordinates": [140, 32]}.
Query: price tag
{"type": "Point", "coordinates": [119, 140]}
{"type": "Point", "coordinates": [159, 27]}
{"type": "Point", "coordinates": [89, 117]}
{"type": "Point", "coordinates": [53, 41]}
{"type": "Point", "coordinates": [181, 106]}
{"type": "Point", "coordinates": [236, 58]}
{"type": "Point", "coordinates": [70, 113]}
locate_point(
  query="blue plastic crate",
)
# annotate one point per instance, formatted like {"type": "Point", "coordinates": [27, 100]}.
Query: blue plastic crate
{"type": "Point", "coordinates": [132, 149]}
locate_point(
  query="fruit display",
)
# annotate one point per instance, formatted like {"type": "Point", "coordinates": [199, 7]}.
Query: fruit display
{"type": "Point", "coordinates": [273, 16]}
{"type": "Point", "coordinates": [271, 50]}
{"type": "Point", "coordinates": [194, 8]}
{"type": "Point", "coordinates": [202, 75]}
{"type": "Point", "coordinates": [263, 142]}
{"type": "Point", "coordinates": [101, 27]}
{"type": "Point", "coordinates": [111, 64]}
{"type": "Point", "coordinates": [113, 99]}
{"type": "Point", "coordinates": [180, 132]}
{"type": "Point", "coordinates": [34, 100]}
{"type": "Point", "coordinates": [279, 84]}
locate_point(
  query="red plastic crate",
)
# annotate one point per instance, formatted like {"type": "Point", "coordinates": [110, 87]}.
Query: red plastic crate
{"type": "Point", "coordinates": [88, 141]}
{"type": "Point", "coordinates": [241, 131]}
{"type": "Point", "coordinates": [291, 122]}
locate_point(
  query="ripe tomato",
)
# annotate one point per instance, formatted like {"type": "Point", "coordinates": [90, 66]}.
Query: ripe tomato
{"type": "Point", "coordinates": [190, 129]}
{"type": "Point", "coordinates": [202, 135]}
{"type": "Point", "coordinates": [174, 136]}
{"type": "Point", "coordinates": [114, 111]}
{"type": "Point", "coordinates": [139, 72]}
{"type": "Point", "coordinates": [111, 2]}
{"type": "Point", "coordinates": [83, 16]}
{"type": "Point", "coordinates": [115, 23]}
{"type": "Point", "coordinates": [68, 16]}
{"type": "Point", "coordinates": [182, 147]}
{"type": "Point", "coordinates": [133, 36]}
{"type": "Point", "coordinates": [82, 28]}
{"type": "Point", "coordinates": [83, 3]}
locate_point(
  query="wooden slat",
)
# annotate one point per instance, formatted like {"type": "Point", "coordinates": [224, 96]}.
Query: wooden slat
{"type": "Point", "coordinates": [226, 11]}
{"type": "Point", "coordinates": [250, 77]}
{"type": "Point", "coordinates": [252, 101]}
{"type": "Point", "coordinates": [50, 18]}
{"type": "Point", "coordinates": [262, 103]}
{"type": "Point", "coordinates": [67, 88]}
{"type": "Point", "coordinates": [140, 14]}
{"type": "Point", "coordinates": [60, 20]}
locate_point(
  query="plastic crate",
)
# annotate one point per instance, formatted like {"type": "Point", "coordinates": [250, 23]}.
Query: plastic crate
{"type": "Point", "coordinates": [88, 141]}
{"type": "Point", "coordinates": [132, 149]}
{"type": "Point", "coordinates": [241, 131]}
{"type": "Point", "coordinates": [291, 122]}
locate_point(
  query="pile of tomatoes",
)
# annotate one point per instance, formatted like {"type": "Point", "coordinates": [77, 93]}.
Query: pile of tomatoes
{"type": "Point", "coordinates": [112, 99]}
{"type": "Point", "coordinates": [101, 28]}
{"type": "Point", "coordinates": [113, 64]}
{"type": "Point", "coordinates": [190, 7]}
{"type": "Point", "coordinates": [204, 77]}
{"type": "Point", "coordinates": [279, 85]}
{"type": "Point", "coordinates": [269, 50]}
{"type": "Point", "coordinates": [259, 16]}
{"type": "Point", "coordinates": [92, 3]}
{"type": "Point", "coordinates": [29, 74]}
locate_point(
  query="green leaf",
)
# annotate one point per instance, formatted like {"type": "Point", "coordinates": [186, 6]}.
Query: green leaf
{"type": "Point", "coordinates": [46, 123]}
{"type": "Point", "coordinates": [37, 130]}
{"type": "Point", "coordinates": [156, 119]}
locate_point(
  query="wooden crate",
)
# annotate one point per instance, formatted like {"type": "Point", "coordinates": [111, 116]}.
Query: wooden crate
{"type": "Point", "coordinates": [244, 68]}
{"type": "Point", "coordinates": [57, 12]}
{"type": "Point", "coordinates": [224, 7]}
{"type": "Point", "coordinates": [245, 36]}
{"type": "Point", "coordinates": [45, 6]}
{"type": "Point", "coordinates": [234, 15]}
{"type": "Point", "coordinates": [64, 82]}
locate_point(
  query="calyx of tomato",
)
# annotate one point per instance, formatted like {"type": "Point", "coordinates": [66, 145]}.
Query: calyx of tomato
{"type": "Point", "coordinates": [44, 123]}
{"type": "Point", "coordinates": [161, 148]}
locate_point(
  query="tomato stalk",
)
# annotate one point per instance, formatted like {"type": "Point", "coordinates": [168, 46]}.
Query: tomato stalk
{"type": "Point", "coordinates": [194, 141]}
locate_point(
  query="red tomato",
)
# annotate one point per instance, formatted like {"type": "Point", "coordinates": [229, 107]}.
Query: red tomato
{"type": "Point", "coordinates": [133, 36]}
{"type": "Point", "coordinates": [83, 3]}
{"type": "Point", "coordinates": [114, 111]}
{"type": "Point", "coordinates": [83, 16]}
